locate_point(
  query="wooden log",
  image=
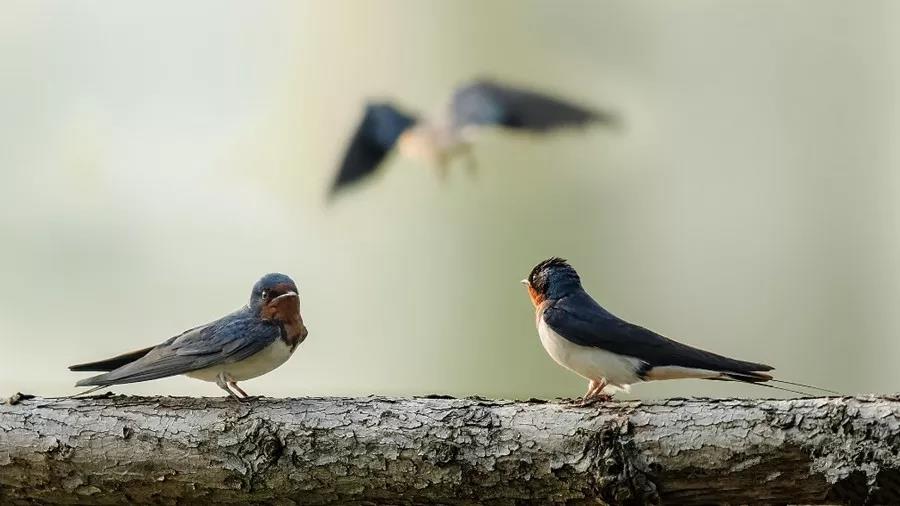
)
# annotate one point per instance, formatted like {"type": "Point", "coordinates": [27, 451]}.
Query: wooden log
{"type": "Point", "coordinates": [167, 450]}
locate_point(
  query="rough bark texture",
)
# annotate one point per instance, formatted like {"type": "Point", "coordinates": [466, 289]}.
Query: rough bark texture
{"type": "Point", "coordinates": [450, 451]}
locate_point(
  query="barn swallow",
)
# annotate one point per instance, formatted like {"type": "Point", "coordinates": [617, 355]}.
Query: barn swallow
{"type": "Point", "coordinates": [585, 338]}
{"type": "Point", "coordinates": [245, 344]}
{"type": "Point", "coordinates": [473, 106]}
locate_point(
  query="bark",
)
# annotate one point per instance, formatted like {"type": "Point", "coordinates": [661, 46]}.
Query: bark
{"type": "Point", "coordinates": [450, 451]}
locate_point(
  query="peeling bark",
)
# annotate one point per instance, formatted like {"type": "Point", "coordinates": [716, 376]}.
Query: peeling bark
{"type": "Point", "coordinates": [450, 451]}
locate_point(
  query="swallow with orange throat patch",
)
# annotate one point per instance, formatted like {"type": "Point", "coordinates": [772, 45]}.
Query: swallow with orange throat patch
{"type": "Point", "coordinates": [613, 354]}
{"type": "Point", "coordinates": [247, 343]}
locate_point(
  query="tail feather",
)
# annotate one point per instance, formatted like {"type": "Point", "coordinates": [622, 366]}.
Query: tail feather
{"type": "Point", "coordinates": [758, 379]}
{"type": "Point", "coordinates": [679, 372]}
{"type": "Point", "coordinates": [98, 381]}
{"type": "Point", "coordinates": [86, 392]}
{"type": "Point", "coordinates": [749, 376]}
{"type": "Point", "coordinates": [110, 363]}
{"type": "Point", "coordinates": [798, 392]}
{"type": "Point", "coordinates": [811, 387]}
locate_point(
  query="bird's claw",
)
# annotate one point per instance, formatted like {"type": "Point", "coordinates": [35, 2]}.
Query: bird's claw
{"type": "Point", "coordinates": [247, 398]}
{"type": "Point", "coordinates": [590, 401]}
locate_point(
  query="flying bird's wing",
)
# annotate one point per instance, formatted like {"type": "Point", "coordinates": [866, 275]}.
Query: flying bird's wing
{"type": "Point", "coordinates": [582, 321]}
{"type": "Point", "coordinates": [225, 341]}
{"type": "Point", "coordinates": [374, 138]}
{"type": "Point", "coordinates": [486, 103]}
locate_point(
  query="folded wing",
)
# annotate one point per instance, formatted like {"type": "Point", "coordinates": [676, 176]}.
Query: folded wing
{"type": "Point", "coordinates": [591, 325]}
{"type": "Point", "coordinates": [112, 363]}
{"type": "Point", "coordinates": [222, 342]}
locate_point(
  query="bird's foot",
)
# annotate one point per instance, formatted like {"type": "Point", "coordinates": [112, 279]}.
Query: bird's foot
{"type": "Point", "coordinates": [583, 402]}
{"type": "Point", "coordinates": [234, 386]}
{"type": "Point", "coordinates": [594, 399]}
{"type": "Point", "coordinates": [245, 398]}
{"type": "Point", "coordinates": [471, 163]}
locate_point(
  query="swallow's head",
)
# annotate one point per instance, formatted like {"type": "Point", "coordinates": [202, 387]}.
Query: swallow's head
{"type": "Point", "coordinates": [275, 297]}
{"type": "Point", "coordinates": [427, 143]}
{"type": "Point", "coordinates": [274, 291]}
{"type": "Point", "coordinates": [551, 279]}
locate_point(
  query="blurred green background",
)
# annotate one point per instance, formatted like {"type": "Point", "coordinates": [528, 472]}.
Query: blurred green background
{"type": "Point", "coordinates": [157, 158]}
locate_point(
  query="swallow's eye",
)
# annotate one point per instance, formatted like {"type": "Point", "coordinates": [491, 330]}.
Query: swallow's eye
{"type": "Point", "coordinates": [264, 294]}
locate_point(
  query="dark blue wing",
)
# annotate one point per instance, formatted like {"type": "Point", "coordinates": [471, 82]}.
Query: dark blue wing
{"type": "Point", "coordinates": [374, 138]}
{"type": "Point", "coordinates": [112, 363]}
{"type": "Point", "coordinates": [490, 103]}
{"type": "Point", "coordinates": [228, 340]}
{"type": "Point", "coordinates": [582, 321]}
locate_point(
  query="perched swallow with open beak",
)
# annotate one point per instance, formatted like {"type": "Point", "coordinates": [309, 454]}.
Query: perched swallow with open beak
{"type": "Point", "coordinates": [473, 106]}
{"type": "Point", "coordinates": [585, 338]}
{"type": "Point", "coordinates": [245, 344]}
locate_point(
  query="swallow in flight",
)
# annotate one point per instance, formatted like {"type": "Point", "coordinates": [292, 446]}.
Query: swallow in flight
{"type": "Point", "coordinates": [245, 344]}
{"type": "Point", "coordinates": [585, 338]}
{"type": "Point", "coordinates": [473, 106]}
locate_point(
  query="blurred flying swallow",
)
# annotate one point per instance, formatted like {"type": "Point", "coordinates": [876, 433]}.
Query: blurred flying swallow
{"type": "Point", "coordinates": [245, 344]}
{"type": "Point", "coordinates": [473, 106]}
{"type": "Point", "coordinates": [609, 352]}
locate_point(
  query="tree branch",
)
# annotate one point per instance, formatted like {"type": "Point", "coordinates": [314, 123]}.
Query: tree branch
{"type": "Point", "coordinates": [451, 451]}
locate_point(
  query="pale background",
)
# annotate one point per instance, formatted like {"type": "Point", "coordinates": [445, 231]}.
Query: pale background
{"type": "Point", "coordinates": [158, 157]}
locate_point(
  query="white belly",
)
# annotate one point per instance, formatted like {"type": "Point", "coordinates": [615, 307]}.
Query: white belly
{"type": "Point", "coordinates": [262, 362]}
{"type": "Point", "coordinates": [589, 362]}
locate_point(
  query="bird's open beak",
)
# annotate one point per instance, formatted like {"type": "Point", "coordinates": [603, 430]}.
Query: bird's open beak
{"type": "Point", "coordinates": [286, 294]}
{"type": "Point", "coordinates": [525, 282]}
{"type": "Point", "coordinates": [283, 298]}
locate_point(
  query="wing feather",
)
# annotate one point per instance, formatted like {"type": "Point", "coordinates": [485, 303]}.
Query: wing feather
{"type": "Point", "coordinates": [228, 340]}
{"type": "Point", "coordinates": [111, 363]}
{"type": "Point", "coordinates": [581, 320]}
{"type": "Point", "coordinates": [377, 133]}
{"type": "Point", "coordinates": [487, 102]}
